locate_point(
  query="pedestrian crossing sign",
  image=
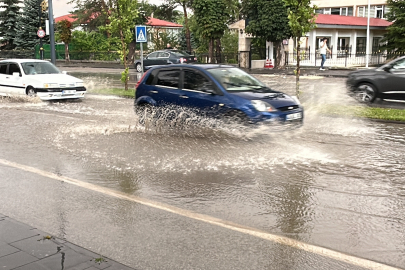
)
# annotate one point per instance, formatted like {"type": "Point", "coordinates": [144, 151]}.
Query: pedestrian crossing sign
{"type": "Point", "coordinates": [140, 33]}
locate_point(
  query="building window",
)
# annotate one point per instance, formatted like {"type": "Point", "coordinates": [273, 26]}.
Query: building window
{"type": "Point", "coordinates": [379, 12]}
{"type": "Point", "coordinates": [344, 11]}
{"type": "Point", "coordinates": [361, 46]}
{"type": "Point", "coordinates": [335, 11]}
{"type": "Point", "coordinates": [376, 44]}
{"type": "Point", "coordinates": [375, 11]}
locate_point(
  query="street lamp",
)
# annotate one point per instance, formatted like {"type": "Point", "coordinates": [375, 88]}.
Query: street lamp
{"type": "Point", "coordinates": [368, 34]}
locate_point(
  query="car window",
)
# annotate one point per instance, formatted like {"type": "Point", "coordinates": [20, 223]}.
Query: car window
{"type": "Point", "coordinates": [194, 80]}
{"type": "Point", "coordinates": [13, 67]}
{"type": "Point", "coordinates": [153, 55]}
{"type": "Point", "coordinates": [400, 64]}
{"type": "Point", "coordinates": [180, 54]}
{"type": "Point", "coordinates": [31, 68]}
{"type": "Point", "coordinates": [163, 55]}
{"type": "Point", "coordinates": [168, 78]}
{"type": "Point", "coordinates": [235, 79]}
{"type": "Point", "coordinates": [3, 68]}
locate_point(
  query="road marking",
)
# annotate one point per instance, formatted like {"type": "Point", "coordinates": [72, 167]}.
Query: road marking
{"type": "Point", "coordinates": [209, 219]}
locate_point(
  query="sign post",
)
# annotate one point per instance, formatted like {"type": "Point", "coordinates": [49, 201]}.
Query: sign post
{"type": "Point", "coordinates": [141, 37]}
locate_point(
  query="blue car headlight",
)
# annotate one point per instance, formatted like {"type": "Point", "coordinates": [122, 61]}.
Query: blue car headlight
{"type": "Point", "coordinates": [262, 106]}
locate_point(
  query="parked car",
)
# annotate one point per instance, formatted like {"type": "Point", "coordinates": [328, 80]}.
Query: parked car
{"type": "Point", "coordinates": [38, 78]}
{"type": "Point", "coordinates": [386, 82]}
{"type": "Point", "coordinates": [216, 90]}
{"type": "Point", "coordinates": [164, 57]}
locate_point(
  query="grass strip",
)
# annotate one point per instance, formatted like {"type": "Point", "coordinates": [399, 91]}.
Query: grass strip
{"type": "Point", "coordinates": [387, 114]}
{"type": "Point", "coordinates": [130, 93]}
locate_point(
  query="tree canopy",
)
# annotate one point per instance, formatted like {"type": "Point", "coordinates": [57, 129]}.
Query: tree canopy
{"type": "Point", "coordinates": [395, 36]}
{"type": "Point", "coordinates": [9, 16]}
{"type": "Point", "coordinates": [28, 25]}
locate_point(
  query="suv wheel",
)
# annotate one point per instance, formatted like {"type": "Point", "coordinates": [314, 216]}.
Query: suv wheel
{"type": "Point", "coordinates": [366, 93]}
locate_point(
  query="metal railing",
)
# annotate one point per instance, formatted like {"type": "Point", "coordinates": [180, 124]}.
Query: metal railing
{"type": "Point", "coordinates": [345, 59]}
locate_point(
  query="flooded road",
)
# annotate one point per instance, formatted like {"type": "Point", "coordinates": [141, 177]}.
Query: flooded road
{"type": "Point", "coordinates": [335, 183]}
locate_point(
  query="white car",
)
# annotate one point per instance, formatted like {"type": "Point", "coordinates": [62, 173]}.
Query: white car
{"type": "Point", "coordinates": [38, 78]}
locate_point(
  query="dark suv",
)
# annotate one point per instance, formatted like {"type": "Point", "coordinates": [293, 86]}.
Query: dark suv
{"type": "Point", "coordinates": [164, 57]}
{"type": "Point", "coordinates": [218, 90]}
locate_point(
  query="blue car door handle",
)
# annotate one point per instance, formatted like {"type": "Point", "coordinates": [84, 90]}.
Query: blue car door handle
{"type": "Point", "coordinates": [184, 96]}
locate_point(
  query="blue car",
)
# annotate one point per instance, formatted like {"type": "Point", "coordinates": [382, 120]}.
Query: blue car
{"type": "Point", "coordinates": [216, 90]}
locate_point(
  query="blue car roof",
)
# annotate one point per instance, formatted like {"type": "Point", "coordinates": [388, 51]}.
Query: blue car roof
{"type": "Point", "coordinates": [201, 66]}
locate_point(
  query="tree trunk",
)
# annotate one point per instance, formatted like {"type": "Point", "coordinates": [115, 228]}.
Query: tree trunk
{"type": "Point", "coordinates": [131, 52]}
{"type": "Point", "coordinates": [188, 41]}
{"type": "Point", "coordinates": [218, 51]}
{"type": "Point", "coordinates": [279, 62]}
{"type": "Point", "coordinates": [67, 58]}
{"type": "Point", "coordinates": [210, 50]}
{"type": "Point", "coordinates": [124, 59]}
{"type": "Point", "coordinates": [298, 70]}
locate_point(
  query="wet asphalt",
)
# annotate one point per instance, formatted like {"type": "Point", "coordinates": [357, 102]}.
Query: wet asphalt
{"type": "Point", "coordinates": [231, 249]}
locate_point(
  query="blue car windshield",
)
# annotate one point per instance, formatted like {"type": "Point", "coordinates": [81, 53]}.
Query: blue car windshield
{"type": "Point", "coordinates": [235, 79]}
{"type": "Point", "coordinates": [32, 68]}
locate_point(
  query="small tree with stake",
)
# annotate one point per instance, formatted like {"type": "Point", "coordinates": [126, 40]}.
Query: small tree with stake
{"type": "Point", "coordinates": [65, 35]}
{"type": "Point", "coordinates": [122, 22]}
{"type": "Point", "coordinates": [301, 17]}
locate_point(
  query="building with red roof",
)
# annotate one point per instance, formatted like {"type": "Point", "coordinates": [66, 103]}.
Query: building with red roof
{"type": "Point", "coordinates": [345, 34]}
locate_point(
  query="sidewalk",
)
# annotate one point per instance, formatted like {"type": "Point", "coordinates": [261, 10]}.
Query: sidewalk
{"type": "Point", "coordinates": [23, 247]}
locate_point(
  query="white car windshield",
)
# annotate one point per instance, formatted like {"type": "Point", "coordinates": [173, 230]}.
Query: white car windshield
{"type": "Point", "coordinates": [32, 68]}
{"type": "Point", "coordinates": [235, 79]}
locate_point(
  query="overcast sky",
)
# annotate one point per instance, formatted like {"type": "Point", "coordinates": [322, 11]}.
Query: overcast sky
{"type": "Point", "coordinates": [60, 7]}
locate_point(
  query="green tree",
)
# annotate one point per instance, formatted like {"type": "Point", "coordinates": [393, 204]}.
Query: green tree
{"type": "Point", "coordinates": [9, 16]}
{"type": "Point", "coordinates": [268, 20]}
{"type": "Point", "coordinates": [185, 4]}
{"type": "Point", "coordinates": [91, 14]}
{"type": "Point", "coordinates": [301, 16]}
{"type": "Point", "coordinates": [166, 11]}
{"type": "Point", "coordinates": [28, 25]}
{"type": "Point", "coordinates": [395, 36]}
{"type": "Point", "coordinates": [94, 42]}
{"type": "Point", "coordinates": [122, 23]}
{"type": "Point", "coordinates": [64, 33]}
{"type": "Point", "coordinates": [211, 17]}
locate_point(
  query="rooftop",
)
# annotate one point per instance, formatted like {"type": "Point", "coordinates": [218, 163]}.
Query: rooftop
{"type": "Point", "coordinates": [350, 20]}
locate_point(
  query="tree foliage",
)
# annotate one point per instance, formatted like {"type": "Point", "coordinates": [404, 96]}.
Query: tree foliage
{"type": "Point", "coordinates": [9, 16]}
{"type": "Point", "coordinates": [91, 14]}
{"type": "Point", "coordinates": [268, 20]}
{"type": "Point", "coordinates": [211, 17]}
{"type": "Point", "coordinates": [64, 33]}
{"type": "Point", "coordinates": [122, 17]}
{"type": "Point", "coordinates": [395, 36]}
{"type": "Point", "coordinates": [94, 42]}
{"type": "Point", "coordinates": [26, 37]}
{"type": "Point", "coordinates": [185, 4]}
{"type": "Point", "coordinates": [166, 11]}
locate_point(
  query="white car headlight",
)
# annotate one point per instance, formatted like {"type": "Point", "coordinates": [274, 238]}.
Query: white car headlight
{"type": "Point", "coordinates": [79, 84]}
{"type": "Point", "coordinates": [50, 85]}
{"type": "Point", "coordinates": [262, 106]}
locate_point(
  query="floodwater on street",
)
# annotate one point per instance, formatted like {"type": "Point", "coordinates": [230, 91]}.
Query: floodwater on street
{"type": "Point", "coordinates": [335, 182]}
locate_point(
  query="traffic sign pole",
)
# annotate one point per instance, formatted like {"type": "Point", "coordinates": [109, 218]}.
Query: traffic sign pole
{"type": "Point", "coordinates": [141, 37]}
{"type": "Point", "coordinates": [141, 59]}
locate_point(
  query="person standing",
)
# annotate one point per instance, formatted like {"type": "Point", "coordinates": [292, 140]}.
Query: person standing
{"type": "Point", "coordinates": [322, 50]}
